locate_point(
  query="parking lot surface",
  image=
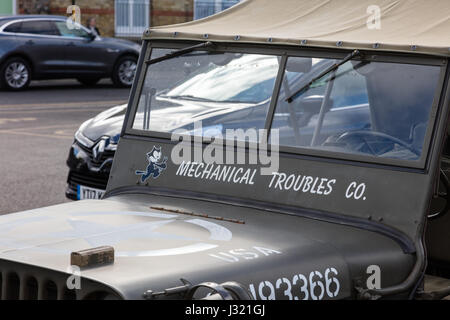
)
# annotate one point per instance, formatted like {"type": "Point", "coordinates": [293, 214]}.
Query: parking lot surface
{"type": "Point", "coordinates": [36, 131]}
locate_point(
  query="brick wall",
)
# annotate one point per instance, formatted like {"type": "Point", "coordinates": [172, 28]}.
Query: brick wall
{"type": "Point", "coordinates": [33, 6]}
{"type": "Point", "coordinates": [101, 10]}
{"type": "Point", "coordinates": [163, 12]}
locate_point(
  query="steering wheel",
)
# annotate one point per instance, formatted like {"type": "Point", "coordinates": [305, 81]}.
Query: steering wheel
{"type": "Point", "coordinates": [363, 136]}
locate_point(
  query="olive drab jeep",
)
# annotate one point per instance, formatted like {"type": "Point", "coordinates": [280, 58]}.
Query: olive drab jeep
{"type": "Point", "coordinates": [277, 150]}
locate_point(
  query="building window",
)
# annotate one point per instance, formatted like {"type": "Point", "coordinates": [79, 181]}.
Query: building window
{"type": "Point", "coordinates": [8, 7]}
{"type": "Point", "coordinates": [132, 17]}
{"type": "Point", "coordinates": [205, 8]}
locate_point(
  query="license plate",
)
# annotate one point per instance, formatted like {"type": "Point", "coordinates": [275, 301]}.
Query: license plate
{"type": "Point", "coordinates": [84, 192]}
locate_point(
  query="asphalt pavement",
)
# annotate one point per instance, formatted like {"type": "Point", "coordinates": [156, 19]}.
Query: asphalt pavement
{"type": "Point", "coordinates": [36, 130]}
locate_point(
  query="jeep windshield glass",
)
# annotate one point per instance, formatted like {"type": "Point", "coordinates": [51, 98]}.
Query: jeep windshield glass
{"type": "Point", "coordinates": [366, 108]}
{"type": "Point", "coordinates": [328, 70]}
{"type": "Point", "coordinates": [223, 90]}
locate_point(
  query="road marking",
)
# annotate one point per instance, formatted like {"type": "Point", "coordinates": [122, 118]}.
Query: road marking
{"type": "Point", "coordinates": [38, 111]}
{"type": "Point", "coordinates": [64, 133]}
{"type": "Point", "coordinates": [64, 104]}
{"type": "Point", "coordinates": [36, 134]}
{"type": "Point", "coordinates": [76, 125]}
{"type": "Point", "coordinates": [15, 120]}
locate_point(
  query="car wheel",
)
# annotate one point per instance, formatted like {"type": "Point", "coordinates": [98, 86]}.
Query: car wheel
{"type": "Point", "coordinates": [15, 74]}
{"type": "Point", "coordinates": [88, 81]}
{"type": "Point", "coordinates": [124, 71]}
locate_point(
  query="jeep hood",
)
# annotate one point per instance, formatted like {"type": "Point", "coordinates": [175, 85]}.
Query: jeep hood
{"type": "Point", "coordinates": [155, 247]}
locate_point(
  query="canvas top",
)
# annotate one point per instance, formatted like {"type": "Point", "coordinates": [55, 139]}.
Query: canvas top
{"type": "Point", "coordinates": [404, 26]}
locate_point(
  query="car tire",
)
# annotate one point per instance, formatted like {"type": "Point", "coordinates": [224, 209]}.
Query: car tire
{"type": "Point", "coordinates": [124, 71]}
{"type": "Point", "coordinates": [88, 81]}
{"type": "Point", "coordinates": [15, 74]}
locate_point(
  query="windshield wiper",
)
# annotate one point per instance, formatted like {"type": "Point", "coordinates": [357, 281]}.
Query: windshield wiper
{"type": "Point", "coordinates": [335, 66]}
{"type": "Point", "coordinates": [178, 53]}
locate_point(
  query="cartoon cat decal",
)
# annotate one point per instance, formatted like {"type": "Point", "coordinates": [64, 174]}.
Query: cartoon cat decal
{"type": "Point", "coordinates": [154, 167]}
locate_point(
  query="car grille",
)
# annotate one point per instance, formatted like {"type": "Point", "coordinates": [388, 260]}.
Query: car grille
{"type": "Point", "coordinates": [88, 179]}
{"type": "Point", "coordinates": [96, 163]}
{"type": "Point", "coordinates": [24, 282]}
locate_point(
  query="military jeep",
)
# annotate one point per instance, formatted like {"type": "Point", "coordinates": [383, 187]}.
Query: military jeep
{"type": "Point", "coordinates": [320, 172]}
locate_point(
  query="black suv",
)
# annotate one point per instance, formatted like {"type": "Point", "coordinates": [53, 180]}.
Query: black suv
{"type": "Point", "coordinates": [46, 47]}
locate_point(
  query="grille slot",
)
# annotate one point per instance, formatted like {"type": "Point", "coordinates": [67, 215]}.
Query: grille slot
{"type": "Point", "coordinates": [69, 294]}
{"type": "Point", "coordinates": [31, 289]}
{"type": "Point", "coordinates": [12, 286]}
{"type": "Point", "coordinates": [50, 291]}
{"type": "Point", "coordinates": [89, 180]}
{"type": "Point", "coordinates": [23, 282]}
{"type": "Point", "coordinates": [107, 154]}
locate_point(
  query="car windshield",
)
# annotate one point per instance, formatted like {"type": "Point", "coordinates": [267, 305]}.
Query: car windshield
{"type": "Point", "coordinates": [368, 108]}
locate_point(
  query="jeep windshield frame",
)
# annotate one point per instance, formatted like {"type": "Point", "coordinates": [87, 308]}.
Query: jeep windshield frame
{"type": "Point", "coordinates": [289, 51]}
